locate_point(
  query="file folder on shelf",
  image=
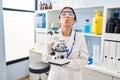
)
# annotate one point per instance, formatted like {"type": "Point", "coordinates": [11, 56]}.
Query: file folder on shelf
{"type": "Point", "coordinates": [112, 55]}
{"type": "Point", "coordinates": [118, 57]}
{"type": "Point", "coordinates": [106, 53]}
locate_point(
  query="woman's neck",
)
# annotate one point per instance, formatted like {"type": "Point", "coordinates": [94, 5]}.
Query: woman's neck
{"type": "Point", "coordinates": [66, 31]}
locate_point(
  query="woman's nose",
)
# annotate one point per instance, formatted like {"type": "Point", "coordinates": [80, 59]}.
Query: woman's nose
{"type": "Point", "coordinates": [67, 15]}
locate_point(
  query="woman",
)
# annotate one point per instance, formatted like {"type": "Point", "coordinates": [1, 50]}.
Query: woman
{"type": "Point", "coordinates": [76, 44]}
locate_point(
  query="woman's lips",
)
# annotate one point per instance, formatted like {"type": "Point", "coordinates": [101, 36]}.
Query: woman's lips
{"type": "Point", "coordinates": [66, 21]}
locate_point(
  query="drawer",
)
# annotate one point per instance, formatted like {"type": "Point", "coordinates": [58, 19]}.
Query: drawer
{"type": "Point", "coordinates": [89, 74]}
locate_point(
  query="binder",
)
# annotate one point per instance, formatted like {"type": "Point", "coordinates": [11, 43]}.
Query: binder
{"type": "Point", "coordinates": [112, 56]}
{"type": "Point", "coordinates": [118, 57]}
{"type": "Point", "coordinates": [106, 52]}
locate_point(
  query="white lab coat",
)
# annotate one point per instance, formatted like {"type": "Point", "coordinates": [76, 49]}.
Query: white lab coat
{"type": "Point", "coordinates": [78, 59]}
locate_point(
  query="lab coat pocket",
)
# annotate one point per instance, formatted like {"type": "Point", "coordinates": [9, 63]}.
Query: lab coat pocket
{"type": "Point", "coordinates": [73, 65]}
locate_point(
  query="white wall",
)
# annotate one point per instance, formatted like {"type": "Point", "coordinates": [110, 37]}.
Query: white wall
{"type": "Point", "coordinates": [2, 47]}
{"type": "Point", "coordinates": [17, 70]}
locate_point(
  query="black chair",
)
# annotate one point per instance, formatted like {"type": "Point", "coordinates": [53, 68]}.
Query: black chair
{"type": "Point", "coordinates": [39, 68]}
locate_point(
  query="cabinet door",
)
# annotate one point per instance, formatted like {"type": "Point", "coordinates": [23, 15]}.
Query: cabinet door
{"type": "Point", "coordinates": [89, 74]}
{"type": "Point", "coordinates": [114, 78]}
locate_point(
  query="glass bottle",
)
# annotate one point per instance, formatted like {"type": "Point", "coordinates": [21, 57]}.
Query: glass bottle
{"type": "Point", "coordinates": [40, 5]}
{"type": "Point", "coordinates": [50, 6]}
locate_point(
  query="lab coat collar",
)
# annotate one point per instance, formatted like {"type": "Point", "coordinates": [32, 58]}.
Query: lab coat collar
{"type": "Point", "coordinates": [72, 34]}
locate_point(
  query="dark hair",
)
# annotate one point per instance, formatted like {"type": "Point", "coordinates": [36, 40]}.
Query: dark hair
{"type": "Point", "coordinates": [70, 9]}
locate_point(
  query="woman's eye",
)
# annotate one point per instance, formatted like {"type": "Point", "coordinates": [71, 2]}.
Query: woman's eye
{"type": "Point", "coordinates": [63, 14]}
{"type": "Point", "coordinates": [71, 14]}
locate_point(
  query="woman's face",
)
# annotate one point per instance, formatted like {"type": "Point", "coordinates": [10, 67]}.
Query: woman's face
{"type": "Point", "coordinates": [67, 18]}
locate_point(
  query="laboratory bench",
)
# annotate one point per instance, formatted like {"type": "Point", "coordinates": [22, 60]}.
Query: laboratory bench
{"type": "Point", "coordinates": [95, 72]}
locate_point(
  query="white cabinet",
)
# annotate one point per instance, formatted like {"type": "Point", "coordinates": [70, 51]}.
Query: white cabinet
{"type": "Point", "coordinates": [89, 74]}
{"type": "Point", "coordinates": [43, 20]}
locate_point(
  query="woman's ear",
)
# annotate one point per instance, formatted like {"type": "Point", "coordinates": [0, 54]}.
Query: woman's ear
{"type": "Point", "coordinates": [74, 22]}
{"type": "Point", "coordinates": [58, 20]}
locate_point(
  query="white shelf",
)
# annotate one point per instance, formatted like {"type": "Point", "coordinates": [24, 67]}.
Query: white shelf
{"type": "Point", "coordinates": [103, 70]}
{"type": "Point", "coordinates": [92, 6]}
{"type": "Point", "coordinates": [111, 36]}
{"type": "Point", "coordinates": [92, 35]}
{"type": "Point", "coordinates": [113, 6]}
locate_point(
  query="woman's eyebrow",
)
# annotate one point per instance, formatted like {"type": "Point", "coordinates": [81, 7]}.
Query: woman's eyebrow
{"type": "Point", "coordinates": [67, 11]}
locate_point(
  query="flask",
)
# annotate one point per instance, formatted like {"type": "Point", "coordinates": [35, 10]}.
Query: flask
{"type": "Point", "coordinates": [87, 26]}
{"type": "Point", "coordinates": [97, 22]}
{"type": "Point", "coordinates": [46, 6]}
{"type": "Point", "coordinates": [41, 5]}
{"type": "Point", "coordinates": [54, 26]}
{"type": "Point", "coordinates": [50, 6]}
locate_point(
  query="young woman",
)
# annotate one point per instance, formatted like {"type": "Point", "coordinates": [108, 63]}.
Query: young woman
{"type": "Point", "coordinates": [77, 53]}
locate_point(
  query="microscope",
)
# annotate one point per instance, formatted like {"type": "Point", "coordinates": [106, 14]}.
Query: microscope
{"type": "Point", "coordinates": [59, 50]}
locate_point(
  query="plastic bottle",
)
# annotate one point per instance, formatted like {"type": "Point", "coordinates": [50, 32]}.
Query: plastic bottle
{"type": "Point", "coordinates": [96, 54]}
{"type": "Point", "coordinates": [97, 22]}
{"type": "Point", "coordinates": [87, 26]}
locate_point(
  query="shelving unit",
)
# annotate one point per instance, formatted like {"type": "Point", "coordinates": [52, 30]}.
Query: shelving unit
{"type": "Point", "coordinates": [52, 16]}
{"type": "Point", "coordinates": [91, 39]}
{"type": "Point", "coordinates": [43, 23]}
{"type": "Point", "coordinates": [110, 42]}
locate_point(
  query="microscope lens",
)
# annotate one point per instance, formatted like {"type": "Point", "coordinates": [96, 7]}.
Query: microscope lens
{"type": "Point", "coordinates": [62, 57]}
{"type": "Point", "coordinates": [55, 58]}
